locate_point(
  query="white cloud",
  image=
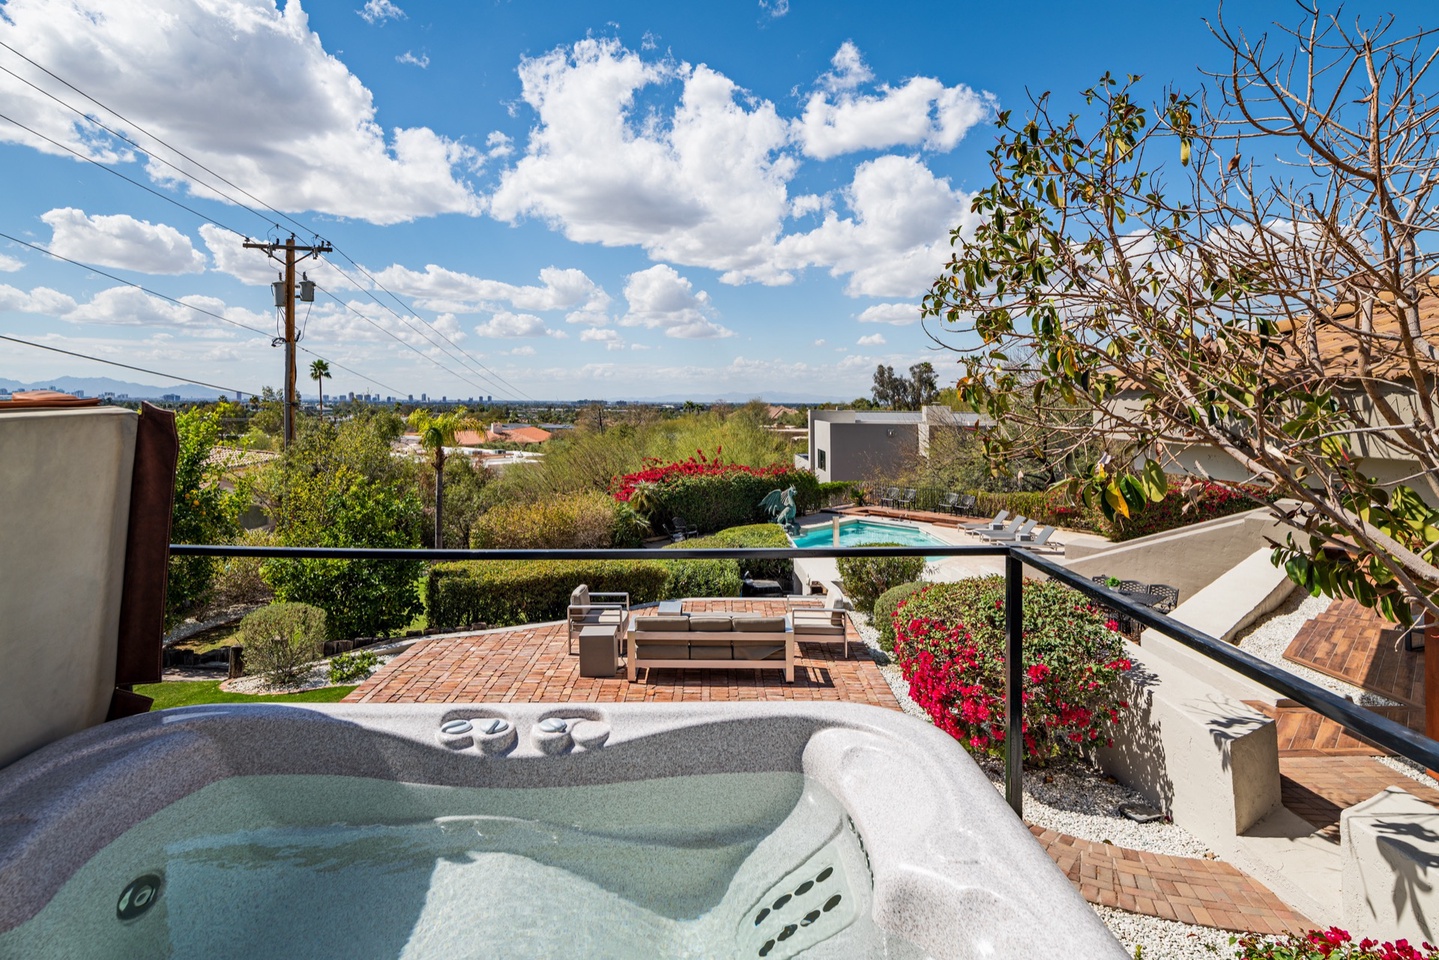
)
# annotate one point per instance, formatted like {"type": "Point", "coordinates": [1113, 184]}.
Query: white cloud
{"type": "Point", "coordinates": [10, 264]}
{"type": "Point", "coordinates": [775, 8]}
{"type": "Point", "coordinates": [897, 314]}
{"type": "Point", "coordinates": [610, 338]}
{"type": "Point", "coordinates": [702, 182]}
{"type": "Point", "coordinates": [921, 112]}
{"type": "Point", "coordinates": [378, 11]}
{"type": "Point", "coordinates": [525, 351]}
{"type": "Point", "coordinates": [238, 113]}
{"type": "Point", "coordinates": [41, 300]}
{"type": "Point", "coordinates": [819, 343]}
{"type": "Point", "coordinates": [508, 325]}
{"type": "Point", "coordinates": [422, 61]}
{"type": "Point", "coordinates": [897, 240]}
{"type": "Point", "coordinates": [873, 340]}
{"type": "Point", "coordinates": [121, 241]}
{"type": "Point", "coordinates": [438, 288]}
{"type": "Point", "coordinates": [659, 298]}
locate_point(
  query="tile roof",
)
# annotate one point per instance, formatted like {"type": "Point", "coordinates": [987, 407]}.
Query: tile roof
{"type": "Point", "coordinates": [1337, 340]}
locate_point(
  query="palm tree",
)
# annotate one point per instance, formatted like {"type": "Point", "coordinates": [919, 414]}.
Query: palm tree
{"type": "Point", "coordinates": [435, 432]}
{"type": "Point", "coordinates": [320, 372]}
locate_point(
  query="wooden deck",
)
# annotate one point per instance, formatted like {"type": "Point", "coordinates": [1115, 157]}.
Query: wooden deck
{"type": "Point", "coordinates": [532, 664]}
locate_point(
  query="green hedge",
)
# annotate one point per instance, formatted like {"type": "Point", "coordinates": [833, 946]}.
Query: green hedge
{"type": "Point", "coordinates": [882, 619]}
{"type": "Point", "coordinates": [580, 521]}
{"type": "Point", "coordinates": [503, 593]}
{"type": "Point", "coordinates": [747, 536]}
{"type": "Point", "coordinates": [718, 502]}
{"type": "Point", "coordinates": [865, 578]}
{"type": "Point", "coordinates": [702, 578]}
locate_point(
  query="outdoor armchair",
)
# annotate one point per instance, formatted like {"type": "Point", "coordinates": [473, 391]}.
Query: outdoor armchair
{"type": "Point", "coordinates": [906, 499]}
{"type": "Point", "coordinates": [816, 623]}
{"type": "Point", "coordinates": [958, 505]}
{"type": "Point", "coordinates": [596, 608]}
{"type": "Point", "coordinates": [890, 498]}
{"type": "Point", "coordinates": [680, 530]}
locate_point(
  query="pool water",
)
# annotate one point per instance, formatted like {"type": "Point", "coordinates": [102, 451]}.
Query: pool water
{"type": "Point", "coordinates": [859, 533]}
{"type": "Point", "coordinates": [721, 865]}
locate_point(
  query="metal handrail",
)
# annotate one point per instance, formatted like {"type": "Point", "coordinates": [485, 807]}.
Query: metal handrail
{"type": "Point", "coordinates": [1382, 731]}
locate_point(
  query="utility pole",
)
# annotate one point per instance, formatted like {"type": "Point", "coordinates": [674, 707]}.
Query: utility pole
{"type": "Point", "coordinates": [285, 298]}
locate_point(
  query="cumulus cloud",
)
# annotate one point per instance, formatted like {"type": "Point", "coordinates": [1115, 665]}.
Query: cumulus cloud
{"type": "Point", "coordinates": [873, 340]}
{"type": "Point", "coordinates": [897, 314]}
{"type": "Point", "coordinates": [702, 182]}
{"type": "Point", "coordinates": [896, 241]}
{"type": "Point", "coordinates": [438, 288]}
{"type": "Point", "coordinates": [10, 264]}
{"type": "Point", "coordinates": [922, 112]}
{"type": "Point", "coordinates": [659, 298]}
{"type": "Point", "coordinates": [121, 241]}
{"type": "Point", "coordinates": [41, 300]}
{"type": "Point", "coordinates": [378, 11]}
{"type": "Point", "coordinates": [325, 151]}
{"type": "Point", "coordinates": [508, 325]}
{"type": "Point", "coordinates": [610, 338]}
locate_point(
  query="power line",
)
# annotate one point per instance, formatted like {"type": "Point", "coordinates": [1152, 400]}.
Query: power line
{"type": "Point", "coordinates": [116, 363]}
{"type": "Point", "coordinates": [182, 303]}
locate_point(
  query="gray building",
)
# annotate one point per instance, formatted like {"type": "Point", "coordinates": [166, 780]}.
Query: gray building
{"type": "Point", "coordinates": [876, 444]}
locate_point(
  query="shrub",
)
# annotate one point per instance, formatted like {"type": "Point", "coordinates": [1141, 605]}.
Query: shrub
{"type": "Point", "coordinates": [203, 512]}
{"type": "Point", "coordinates": [833, 492]}
{"type": "Point", "coordinates": [754, 535]}
{"type": "Point", "coordinates": [1331, 944]}
{"type": "Point", "coordinates": [574, 521]}
{"type": "Point", "coordinates": [710, 493]}
{"type": "Point", "coordinates": [352, 667]}
{"type": "Point", "coordinates": [865, 578]}
{"type": "Point", "coordinates": [949, 642]}
{"type": "Point", "coordinates": [1189, 501]}
{"type": "Point", "coordinates": [503, 593]}
{"type": "Point", "coordinates": [882, 619]}
{"type": "Point", "coordinates": [702, 578]}
{"type": "Point", "coordinates": [282, 640]}
{"type": "Point", "coordinates": [238, 579]}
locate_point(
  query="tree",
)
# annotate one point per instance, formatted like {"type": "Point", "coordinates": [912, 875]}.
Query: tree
{"type": "Point", "coordinates": [905, 393]}
{"type": "Point", "coordinates": [320, 372]}
{"type": "Point", "coordinates": [1241, 272]}
{"type": "Point", "coordinates": [204, 512]}
{"type": "Point", "coordinates": [436, 432]}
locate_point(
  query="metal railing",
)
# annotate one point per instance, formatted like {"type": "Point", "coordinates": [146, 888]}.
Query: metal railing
{"type": "Point", "coordinates": [1380, 730]}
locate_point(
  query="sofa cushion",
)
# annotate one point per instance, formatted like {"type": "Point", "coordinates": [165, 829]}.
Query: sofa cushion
{"type": "Point", "coordinates": [580, 597]}
{"type": "Point", "coordinates": [600, 615]}
{"type": "Point", "coordinates": [710, 649]}
{"type": "Point", "coordinates": [762, 650]}
{"type": "Point", "coordinates": [664, 624]}
{"type": "Point", "coordinates": [759, 624]}
{"type": "Point", "coordinates": [710, 623]}
{"type": "Point", "coordinates": [661, 651]}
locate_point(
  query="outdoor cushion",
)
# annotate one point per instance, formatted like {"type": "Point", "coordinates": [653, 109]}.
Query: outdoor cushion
{"type": "Point", "coordinates": [581, 596]}
{"type": "Point", "coordinates": [665, 624]}
{"type": "Point", "coordinates": [818, 625]}
{"type": "Point", "coordinates": [661, 651]}
{"type": "Point", "coordinates": [759, 651]}
{"type": "Point", "coordinates": [602, 615]}
{"type": "Point", "coordinates": [710, 650]}
{"type": "Point", "coordinates": [710, 623]}
{"type": "Point", "coordinates": [759, 624]}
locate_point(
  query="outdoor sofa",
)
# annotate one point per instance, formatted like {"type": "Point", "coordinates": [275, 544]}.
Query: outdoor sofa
{"type": "Point", "coordinates": [720, 641]}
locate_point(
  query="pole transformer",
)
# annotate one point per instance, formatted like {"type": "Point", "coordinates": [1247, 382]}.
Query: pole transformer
{"type": "Point", "coordinates": [285, 299]}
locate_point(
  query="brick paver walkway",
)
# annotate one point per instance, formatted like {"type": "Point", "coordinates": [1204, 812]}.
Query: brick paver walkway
{"type": "Point", "coordinates": [1205, 892]}
{"type": "Point", "coordinates": [1354, 644]}
{"type": "Point", "coordinates": [532, 664]}
{"type": "Point", "coordinates": [1319, 788]}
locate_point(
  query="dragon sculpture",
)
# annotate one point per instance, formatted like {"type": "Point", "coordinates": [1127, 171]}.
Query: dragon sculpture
{"type": "Point", "coordinates": [782, 509]}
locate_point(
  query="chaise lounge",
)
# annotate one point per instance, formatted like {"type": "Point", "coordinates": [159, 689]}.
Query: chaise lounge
{"type": "Point", "coordinates": [720, 641]}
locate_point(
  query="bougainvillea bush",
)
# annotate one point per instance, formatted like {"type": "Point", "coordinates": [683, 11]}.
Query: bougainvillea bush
{"type": "Point", "coordinates": [949, 642]}
{"type": "Point", "coordinates": [1333, 944]}
{"type": "Point", "coordinates": [710, 493]}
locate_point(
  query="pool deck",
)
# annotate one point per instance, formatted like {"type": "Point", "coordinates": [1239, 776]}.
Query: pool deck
{"type": "Point", "coordinates": [532, 664]}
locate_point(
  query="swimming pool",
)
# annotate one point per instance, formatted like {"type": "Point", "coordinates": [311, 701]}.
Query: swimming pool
{"type": "Point", "coordinates": [859, 533]}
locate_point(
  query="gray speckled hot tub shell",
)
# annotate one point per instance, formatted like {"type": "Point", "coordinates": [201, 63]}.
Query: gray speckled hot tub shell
{"type": "Point", "coordinates": [955, 872]}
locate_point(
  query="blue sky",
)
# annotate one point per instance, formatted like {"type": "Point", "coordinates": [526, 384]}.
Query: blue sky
{"type": "Point", "coordinates": [569, 199]}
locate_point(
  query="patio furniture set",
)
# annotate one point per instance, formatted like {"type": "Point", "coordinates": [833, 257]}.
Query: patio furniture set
{"type": "Point", "coordinates": [606, 631]}
{"type": "Point", "coordinates": [1159, 597]}
{"type": "Point", "coordinates": [898, 498]}
{"type": "Point", "coordinates": [1018, 530]}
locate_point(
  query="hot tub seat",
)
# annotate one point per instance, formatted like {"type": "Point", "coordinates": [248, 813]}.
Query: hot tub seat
{"type": "Point", "coordinates": [722, 641]}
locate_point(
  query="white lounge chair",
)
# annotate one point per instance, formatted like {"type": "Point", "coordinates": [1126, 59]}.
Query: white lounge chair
{"type": "Point", "coordinates": [1010, 535]}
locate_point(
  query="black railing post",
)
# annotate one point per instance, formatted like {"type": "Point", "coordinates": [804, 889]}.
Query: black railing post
{"type": "Point", "coordinates": [1014, 682]}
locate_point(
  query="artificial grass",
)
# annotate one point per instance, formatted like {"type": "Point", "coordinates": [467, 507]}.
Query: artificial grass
{"type": "Point", "coordinates": [185, 693]}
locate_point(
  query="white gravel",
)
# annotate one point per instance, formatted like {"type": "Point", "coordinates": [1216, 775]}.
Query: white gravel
{"type": "Point", "coordinates": [319, 676]}
{"type": "Point", "coordinates": [1165, 939]}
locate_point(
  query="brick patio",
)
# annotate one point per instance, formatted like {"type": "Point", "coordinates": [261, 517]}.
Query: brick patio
{"type": "Point", "coordinates": [532, 664]}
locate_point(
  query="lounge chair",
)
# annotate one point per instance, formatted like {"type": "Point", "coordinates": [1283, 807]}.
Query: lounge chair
{"type": "Point", "coordinates": [996, 523]}
{"type": "Point", "coordinates": [598, 608]}
{"type": "Point", "coordinates": [1011, 527]}
{"type": "Point", "coordinates": [1031, 540]}
{"type": "Point", "coordinates": [816, 623]}
{"type": "Point", "coordinates": [680, 530]}
{"type": "Point", "coordinates": [1010, 536]}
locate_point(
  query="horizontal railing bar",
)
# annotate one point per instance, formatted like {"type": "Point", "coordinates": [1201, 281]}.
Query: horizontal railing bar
{"type": "Point", "coordinates": [1383, 731]}
{"type": "Point", "coordinates": [721, 553]}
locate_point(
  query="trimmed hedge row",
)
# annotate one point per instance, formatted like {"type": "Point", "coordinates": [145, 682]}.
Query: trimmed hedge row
{"type": "Point", "coordinates": [747, 536]}
{"type": "Point", "coordinates": [720, 501]}
{"type": "Point", "coordinates": [503, 593]}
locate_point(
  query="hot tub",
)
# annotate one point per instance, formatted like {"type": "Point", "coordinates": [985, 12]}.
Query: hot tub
{"type": "Point", "coordinates": [508, 831]}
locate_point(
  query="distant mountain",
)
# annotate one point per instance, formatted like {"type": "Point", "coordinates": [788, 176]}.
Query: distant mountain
{"type": "Point", "coordinates": [96, 386]}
